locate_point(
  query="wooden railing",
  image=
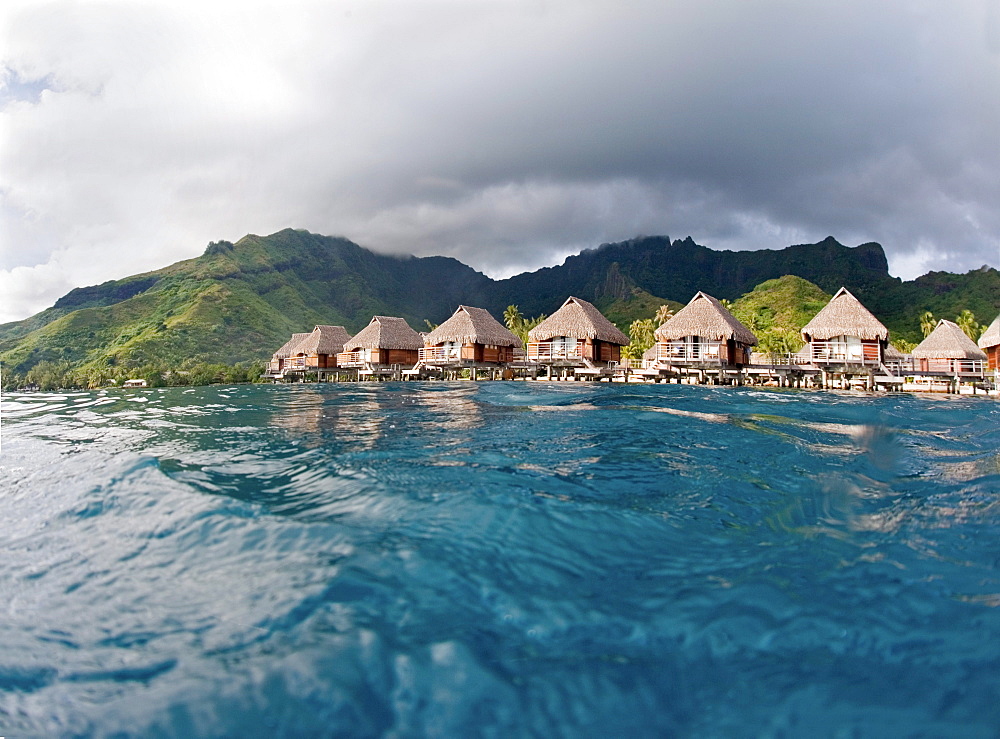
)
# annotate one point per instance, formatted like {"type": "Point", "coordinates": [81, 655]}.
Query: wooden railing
{"type": "Point", "coordinates": [950, 366]}
{"type": "Point", "coordinates": [351, 359]}
{"type": "Point", "coordinates": [626, 363]}
{"type": "Point", "coordinates": [439, 354]}
{"type": "Point", "coordinates": [702, 351]}
{"type": "Point", "coordinates": [898, 367]}
{"type": "Point", "coordinates": [545, 351]}
{"type": "Point", "coordinates": [840, 352]}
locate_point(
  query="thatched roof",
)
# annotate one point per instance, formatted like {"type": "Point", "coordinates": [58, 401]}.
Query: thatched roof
{"type": "Point", "coordinates": [472, 326]}
{"type": "Point", "coordinates": [323, 340]}
{"type": "Point", "coordinates": [385, 332]}
{"type": "Point", "coordinates": [991, 336]}
{"type": "Point", "coordinates": [286, 350]}
{"type": "Point", "coordinates": [579, 320]}
{"type": "Point", "coordinates": [892, 354]}
{"type": "Point", "coordinates": [948, 341]}
{"type": "Point", "coordinates": [706, 317]}
{"type": "Point", "coordinates": [844, 316]}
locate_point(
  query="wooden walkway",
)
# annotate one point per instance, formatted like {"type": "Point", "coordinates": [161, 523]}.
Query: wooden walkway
{"type": "Point", "coordinates": [861, 376]}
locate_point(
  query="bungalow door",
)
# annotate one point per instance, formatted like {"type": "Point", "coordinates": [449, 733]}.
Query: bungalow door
{"type": "Point", "coordinates": [563, 347]}
{"type": "Point", "coordinates": [855, 352]}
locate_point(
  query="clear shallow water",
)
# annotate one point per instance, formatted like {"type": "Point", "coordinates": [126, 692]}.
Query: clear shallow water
{"type": "Point", "coordinates": [499, 559]}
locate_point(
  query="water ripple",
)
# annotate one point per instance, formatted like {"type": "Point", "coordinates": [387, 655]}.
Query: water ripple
{"type": "Point", "coordinates": [498, 558]}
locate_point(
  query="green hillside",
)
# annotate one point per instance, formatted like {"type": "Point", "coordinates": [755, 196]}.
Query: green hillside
{"type": "Point", "coordinates": [239, 302]}
{"type": "Point", "coordinates": [776, 310]}
{"type": "Point", "coordinates": [899, 304]}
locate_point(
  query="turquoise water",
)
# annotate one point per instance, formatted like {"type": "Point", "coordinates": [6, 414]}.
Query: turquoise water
{"type": "Point", "coordinates": [499, 559]}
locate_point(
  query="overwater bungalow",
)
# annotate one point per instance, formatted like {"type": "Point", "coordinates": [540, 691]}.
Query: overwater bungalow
{"type": "Point", "coordinates": [704, 332]}
{"type": "Point", "coordinates": [576, 335]}
{"type": "Point", "coordinates": [276, 367]}
{"type": "Point", "coordinates": [989, 342]}
{"type": "Point", "coordinates": [383, 343]}
{"type": "Point", "coordinates": [844, 333]}
{"type": "Point", "coordinates": [948, 350]}
{"type": "Point", "coordinates": [318, 350]}
{"type": "Point", "coordinates": [470, 337]}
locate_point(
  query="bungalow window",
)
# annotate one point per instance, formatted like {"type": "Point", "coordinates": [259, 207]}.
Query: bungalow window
{"type": "Point", "coordinates": [563, 346]}
{"type": "Point", "coordinates": [847, 348]}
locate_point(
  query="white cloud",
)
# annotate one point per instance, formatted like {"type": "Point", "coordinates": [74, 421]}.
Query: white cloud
{"type": "Point", "coordinates": [506, 134]}
{"type": "Point", "coordinates": [30, 286]}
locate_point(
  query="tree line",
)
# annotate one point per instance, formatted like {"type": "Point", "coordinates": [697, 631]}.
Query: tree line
{"type": "Point", "coordinates": [63, 375]}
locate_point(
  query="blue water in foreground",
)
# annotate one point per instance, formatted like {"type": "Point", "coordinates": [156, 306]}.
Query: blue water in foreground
{"type": "Point", "coordinates": [499, 559]}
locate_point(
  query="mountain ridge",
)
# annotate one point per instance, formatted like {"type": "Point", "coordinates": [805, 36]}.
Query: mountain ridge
{"type": "Point", "coordinates": [238, 302]}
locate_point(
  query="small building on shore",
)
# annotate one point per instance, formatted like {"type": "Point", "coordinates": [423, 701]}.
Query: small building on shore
{"type": "Point", "coordinates": [574, 336]}
{"type": "Point", "coordinates": [470, 337]}
{"type": "Point", "coordinates": [989, 342]}
{"type": "Point", "coordinates": [318, 350]}
{"type": "Point", "coordinates": [704, 332]}
{"type": "Point", "coordinates": [844, 332]}
{"type": "Point", "coordinates": [948, 350]}
{"type": "Point", "coordinates": [384, 342]}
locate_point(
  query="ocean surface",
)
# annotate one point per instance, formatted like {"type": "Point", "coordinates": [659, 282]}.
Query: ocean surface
{"type": "Point", "coordinates": [498, 559]}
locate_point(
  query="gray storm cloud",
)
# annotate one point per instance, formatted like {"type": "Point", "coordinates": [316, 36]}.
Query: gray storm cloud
{"type": "Point", "coordinates": [507, 134]}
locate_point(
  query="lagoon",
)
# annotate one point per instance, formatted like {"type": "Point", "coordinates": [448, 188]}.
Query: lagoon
{"type": "Point", "coordinates": [498, 559]}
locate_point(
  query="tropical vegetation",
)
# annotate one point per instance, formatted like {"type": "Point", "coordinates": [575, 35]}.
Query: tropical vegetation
{"type": "Point", "coordinates": [62, 374]}
{"type": "Point", "coordinates": [518, 324]}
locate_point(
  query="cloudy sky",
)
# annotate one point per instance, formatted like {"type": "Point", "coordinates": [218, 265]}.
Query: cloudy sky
{"type": "Point", "coordinates": [508, 134]}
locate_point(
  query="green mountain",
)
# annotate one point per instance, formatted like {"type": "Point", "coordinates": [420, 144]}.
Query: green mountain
{"type": "Point", "coordinates": [236, 302]}
{"type": "Point", "coordinates": [776, 310]}
{"type": "Point", "coordinates": [239, 302]}
{"type": "Point", "coordinates": [677, 270]}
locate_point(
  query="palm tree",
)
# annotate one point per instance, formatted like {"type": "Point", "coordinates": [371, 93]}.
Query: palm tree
{"type": "Point", "coordinates": [663, 314]}
{"type": "Point", "coordinates": [641, 335]}
{"type": "Point", "coordinates": [927, 323]}
{"type": "Point", "coordinates": [512, 317]}
{"type": "Point", "coordinates": [966, 321]}
{"type": "Point", "coordinates": [518, 324]}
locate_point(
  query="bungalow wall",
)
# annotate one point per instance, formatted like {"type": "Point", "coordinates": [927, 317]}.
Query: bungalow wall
{"type": "Point", "coordinates": [322, 361]}
{"type": "Point", "coordinates": [734, 353]}
{"type": "Point", "coordinates": [602, 351]}
{"type": "Point", "coordinates": [394, 356]}
{"type": "Point", "coordinates": [314, 361]}
{"type": "Point", "coordinates": [487, 353]}
{"type": "Point", "coordinates": [992, 357]}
